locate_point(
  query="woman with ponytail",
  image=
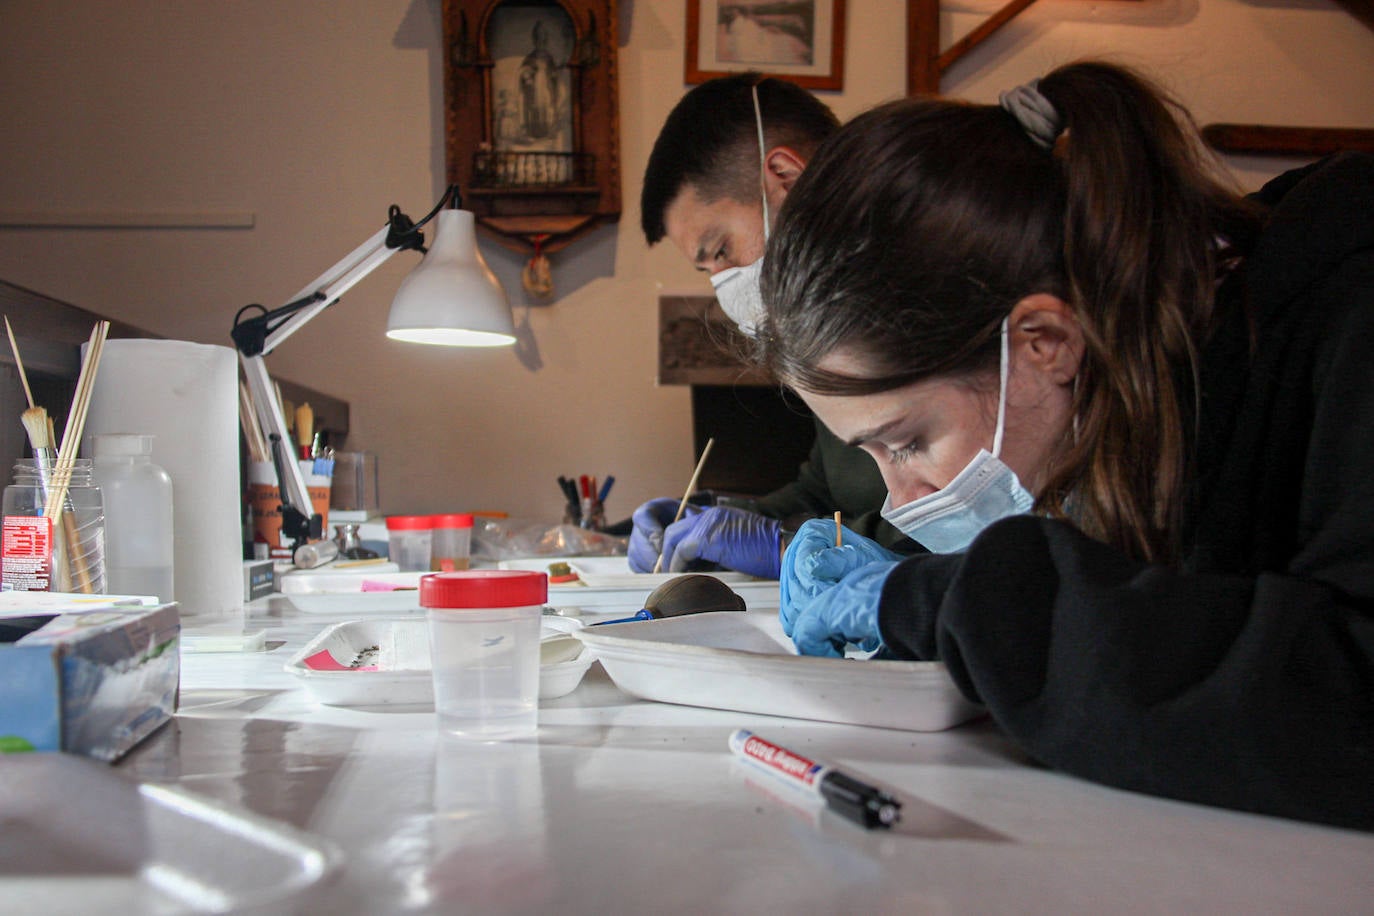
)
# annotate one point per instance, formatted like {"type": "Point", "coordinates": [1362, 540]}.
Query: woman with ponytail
{"type": "Point", "coordinates": [1130, 412]}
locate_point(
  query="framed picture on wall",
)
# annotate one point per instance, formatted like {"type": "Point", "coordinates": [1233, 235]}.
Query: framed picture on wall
{"type": "Point", "coordinates": [798, 40]}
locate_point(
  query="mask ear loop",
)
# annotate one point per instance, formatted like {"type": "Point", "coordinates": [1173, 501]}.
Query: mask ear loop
{"type": "Point", "coordinates": [763, 161]}
{"type": "Point", "coordinates": [1001, 397]}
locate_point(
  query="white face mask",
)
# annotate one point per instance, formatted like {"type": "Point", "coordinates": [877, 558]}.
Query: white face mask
{"type": "Point", "coordinates": [985, 491]}
{"type": "Point", "coordinates": [737, 291]}
{"type": "Point", "coordinates": [737, 288]}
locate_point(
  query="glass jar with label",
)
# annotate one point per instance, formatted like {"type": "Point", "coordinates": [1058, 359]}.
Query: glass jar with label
{"type": "Point", "coordinates": [46, 549]}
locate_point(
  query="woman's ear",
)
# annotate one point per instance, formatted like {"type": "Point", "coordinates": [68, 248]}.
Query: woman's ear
{"type": "Point", "coordinates": [1046, 334]}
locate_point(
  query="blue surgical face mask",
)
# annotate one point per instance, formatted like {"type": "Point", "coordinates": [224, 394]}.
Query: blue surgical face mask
{"type": "Point", "coordinates": [985, 491]}
{"type": "Point", "coordinates": [737, 288]}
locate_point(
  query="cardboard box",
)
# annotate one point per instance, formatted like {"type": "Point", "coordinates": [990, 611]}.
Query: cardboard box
{"type": "Point", "coordinates": [91, 678]}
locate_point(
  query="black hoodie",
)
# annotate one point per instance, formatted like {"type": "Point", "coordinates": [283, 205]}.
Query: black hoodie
{"type": "Point", "coordinates": [1244, 677]}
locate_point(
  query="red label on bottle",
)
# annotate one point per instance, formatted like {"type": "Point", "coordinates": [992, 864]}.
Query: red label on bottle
{"type": "Point", "coordinates": [27, 553]}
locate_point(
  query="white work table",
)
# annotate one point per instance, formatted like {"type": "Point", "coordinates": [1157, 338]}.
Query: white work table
{"type": "Point", "coordinates": [626, 806]}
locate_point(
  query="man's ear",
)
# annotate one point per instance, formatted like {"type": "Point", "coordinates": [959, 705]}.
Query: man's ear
{"type": "Point", "coordinates": [781, 168]}
{"type": "Point", "coordinates": [1046, 332]}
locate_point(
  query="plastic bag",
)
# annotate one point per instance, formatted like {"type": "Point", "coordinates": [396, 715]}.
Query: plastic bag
{"type": "Point", "coordinates": [496, 539]}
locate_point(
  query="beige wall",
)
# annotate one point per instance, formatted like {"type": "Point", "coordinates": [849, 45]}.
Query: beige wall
{"type": "Point", "coordinates": [314, 115]}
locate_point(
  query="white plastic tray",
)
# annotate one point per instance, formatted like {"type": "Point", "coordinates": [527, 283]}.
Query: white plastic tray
{"type": "Point", "coordinates": [398, 649]}
{"type": "Point", "coordinates": [744, 662]}
{"type": "Point", "coordinates": [339, 594]}
{"type": "Point", "coordinates": [79, 838]}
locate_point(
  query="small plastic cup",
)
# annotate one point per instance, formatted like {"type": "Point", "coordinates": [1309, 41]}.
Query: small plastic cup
{"type": "Point", "coordinates": [452, 542]}
{"type": "Point", "coordinates": [484, 627]}
{"type": "Point", "coordinates": [409, 540]}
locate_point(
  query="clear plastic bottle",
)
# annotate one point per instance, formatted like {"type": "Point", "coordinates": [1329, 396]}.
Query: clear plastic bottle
{"type": "Point", "coordinates": [138, 516]}
{"type": "Point", "coordinates": [39, 556]}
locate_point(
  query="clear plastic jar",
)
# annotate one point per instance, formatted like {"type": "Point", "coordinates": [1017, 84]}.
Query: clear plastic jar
{"type": "Point", "coordinates": [41, 556]}
{"type": "Point", "coordinates": [409, 541]}
{"type": "Point", "coordinates": [484, 627]}
{"type": "Point", "coordinates": [451, 542]}
{"type": "Point", "coordinates": [138, 516]}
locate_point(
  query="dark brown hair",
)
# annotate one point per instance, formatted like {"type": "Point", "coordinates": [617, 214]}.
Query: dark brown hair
{"type": "Point", "coordinates": [917, 228]}
{"type": "Point", "coordinates": [710, 141]}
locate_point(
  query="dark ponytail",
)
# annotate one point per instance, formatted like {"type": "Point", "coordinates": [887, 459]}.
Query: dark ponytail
{"type": "Point", "coordinates": [1144, 223]}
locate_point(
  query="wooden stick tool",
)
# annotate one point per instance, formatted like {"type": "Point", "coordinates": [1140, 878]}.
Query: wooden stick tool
{"type": "Point", "coordinates": [691, 486]}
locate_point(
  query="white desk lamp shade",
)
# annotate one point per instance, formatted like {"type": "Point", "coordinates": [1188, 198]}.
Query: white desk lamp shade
{"type": "Point", "coordinates": [452, 297]}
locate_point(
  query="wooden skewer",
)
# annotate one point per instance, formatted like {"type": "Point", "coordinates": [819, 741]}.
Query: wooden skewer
{"type": "Point", "coordinates": [838, 541]}
{"type": "Point", "coordinates": [71, 442]}
{"type": "Point", "coordinates": [252, 429]}
{"type": "Point", "coordinates": [691, 485]}
{"type": "Point", "coordinates": [19, 363]}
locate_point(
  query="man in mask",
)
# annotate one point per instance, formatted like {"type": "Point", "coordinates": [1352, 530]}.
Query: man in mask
{"type": "Point", "coordinates": [719, 171]}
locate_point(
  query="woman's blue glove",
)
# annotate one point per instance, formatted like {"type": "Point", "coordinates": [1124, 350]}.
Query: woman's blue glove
{"type": "Point", "coordinates": [845, 613]}
{"type": "Point", "coordinates": [813, 564]}
{"type": "Point", "coordinates": [727, 537]}
{"type": "Point", "coordinates": [646, 539]}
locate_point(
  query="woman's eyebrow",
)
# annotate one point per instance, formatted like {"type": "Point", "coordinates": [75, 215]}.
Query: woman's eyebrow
{"type": "Point", "coordinates": [869, 434]}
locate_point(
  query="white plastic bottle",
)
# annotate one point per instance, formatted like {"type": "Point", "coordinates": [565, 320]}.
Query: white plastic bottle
{"type": "Point", "coordinates": [138, 516]}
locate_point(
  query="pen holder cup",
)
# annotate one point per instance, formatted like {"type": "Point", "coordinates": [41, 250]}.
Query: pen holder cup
{"type": "Point", "coordinates": [264, 499]}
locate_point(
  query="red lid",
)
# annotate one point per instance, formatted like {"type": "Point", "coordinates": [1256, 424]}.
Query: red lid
{"type": "Point", "coordinates": [409, 522]}
{"type": "Point", "coordinates": [470, 588]}
{"type": "Point", "coordinates": [453, 520]}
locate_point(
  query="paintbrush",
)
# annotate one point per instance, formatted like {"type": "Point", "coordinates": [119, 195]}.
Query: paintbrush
{"type": "Point", "coordinates": [691, 485]}
{"type": "Point", "coordinates": [305, 429]}
{"type": "Point", "coordinates": [35, 419]}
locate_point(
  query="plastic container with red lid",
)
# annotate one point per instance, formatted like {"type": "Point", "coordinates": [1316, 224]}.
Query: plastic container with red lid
{"type": "Point", "coordinates": [484, 629]}
{"type": "Point", "coordinates": [409, 541]}
{"type": "Point", "coordinates": [452, 542]}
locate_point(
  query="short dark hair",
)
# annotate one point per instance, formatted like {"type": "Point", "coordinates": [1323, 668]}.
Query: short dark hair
{"type": "Point", "coordinates": [710, 141]}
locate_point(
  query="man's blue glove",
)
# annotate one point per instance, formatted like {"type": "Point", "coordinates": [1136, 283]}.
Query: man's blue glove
{"type": "Point", "coordinates": [731, 538]}
{"type": "Point", "coordinates": [845, 613]}
{"type": "Point", "coordinates": [813, 564]}
{"type": "Point", "coordinates": [646, 539]}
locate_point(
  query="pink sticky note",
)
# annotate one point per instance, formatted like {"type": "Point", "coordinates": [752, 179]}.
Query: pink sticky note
{"type": "Point", "coordinates": [323, 661]}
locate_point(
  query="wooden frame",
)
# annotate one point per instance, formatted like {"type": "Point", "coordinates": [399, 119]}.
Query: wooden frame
{"type": "Point", "coordinates": [536, 181]}
{"type": "Point", "coordinates": [803, 43]}
{"type": "Point", "coordinates": [925, 63]}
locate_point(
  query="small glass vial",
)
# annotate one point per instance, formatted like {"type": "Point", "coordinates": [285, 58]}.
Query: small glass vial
{"type": "Point", "coordinates": [40, 556]}
{"type": "Point", "coordinates": [138, 516]}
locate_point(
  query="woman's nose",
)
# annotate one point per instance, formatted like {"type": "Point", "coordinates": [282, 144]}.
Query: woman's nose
{"type": "Point", "coordinates": [905, 487]}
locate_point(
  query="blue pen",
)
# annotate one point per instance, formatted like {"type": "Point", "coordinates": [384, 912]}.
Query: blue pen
{"type": "Point", "coordinates": [605, 488]}
{"type": "Point", "coordinates": [645, 614]}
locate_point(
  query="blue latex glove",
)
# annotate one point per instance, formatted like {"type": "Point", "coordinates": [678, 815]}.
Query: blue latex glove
{"type": "Point", "coordinates": [813, 564]}
{"type": "Point", "coordinates": [646, 538]}
{"type": "Point", "coordinates": [725, 536]}
{"type": "Point", "coordinates": [845, 613]}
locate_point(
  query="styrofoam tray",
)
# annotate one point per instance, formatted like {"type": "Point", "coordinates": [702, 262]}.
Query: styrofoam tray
{"type": "Point", "coordinates": [398, 651]}
{"type": "Point", "coordinates": [79, 838]}
{"type": "Point", "coordinates": [340, 594]}
{"type": "Point", "coordinates": [611, 572]}
{"type": "Point", "coordinates": [744, 662]}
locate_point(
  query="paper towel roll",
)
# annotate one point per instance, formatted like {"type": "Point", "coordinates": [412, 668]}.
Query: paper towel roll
{"type": "Point", "coordinates": [186, 396]}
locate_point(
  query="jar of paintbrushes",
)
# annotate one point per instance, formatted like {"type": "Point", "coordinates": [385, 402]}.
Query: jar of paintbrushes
{"type": "Point", "coordinates": [54, 529]}
{"type": "Point", "coordinates": [54, 517]}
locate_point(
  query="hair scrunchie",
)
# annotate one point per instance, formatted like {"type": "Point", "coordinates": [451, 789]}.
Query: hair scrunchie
{"type": "Point", "coordinates": [1034, 112]}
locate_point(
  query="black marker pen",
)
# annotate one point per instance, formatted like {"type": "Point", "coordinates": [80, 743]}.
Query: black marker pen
{"type": "Point", "coordinates": [849, 797]}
